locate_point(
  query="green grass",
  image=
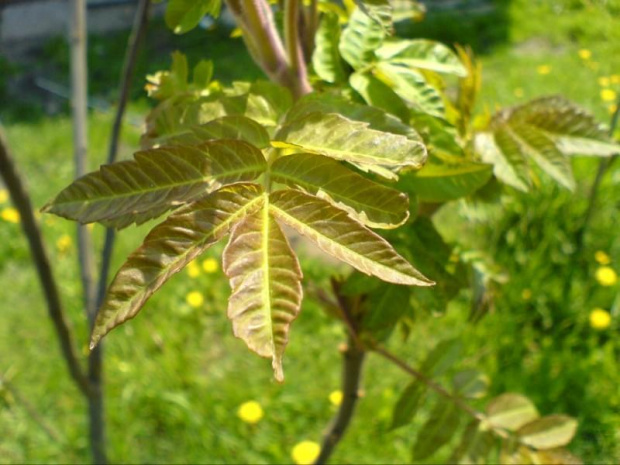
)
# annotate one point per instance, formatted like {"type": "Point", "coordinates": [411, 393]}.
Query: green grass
{"type": "Point", "coordinates": [175, 375]}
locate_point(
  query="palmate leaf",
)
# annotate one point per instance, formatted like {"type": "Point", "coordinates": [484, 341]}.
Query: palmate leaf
{"type": "Point", "coordinates": [362, 36]}
{"type": "Point", "coordinates": [334, 232]}
{"type": "Point", "coordinates": [266, 286]}
{"type": "Point", "coordinates": [326, 59]}
{"type": "Point", "coordinates": [370, 203]}
{"type": "Point", "coordinates": [169, 247]}
{"type": "Point", "coordinates": [342, 139]}
{"type": "Point", "coordinates": [157, 180]}
{"type": "Point", "coordinates": [422, 54]}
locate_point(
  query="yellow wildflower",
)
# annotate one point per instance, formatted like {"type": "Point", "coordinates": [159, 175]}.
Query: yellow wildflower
{"type": "Point", "coordinates": [608, 95]}
{"type": "Point", "coordinates": [615, 78]}
{"type": "Point", "coordinates": [250, 412]}
{"type": "Point", "coordinates": [195, 299]}
{"type": "Point", "coordinates": [603, 81]}
{"type": "Point", "coordinates": [543, 69]}
{"type": "Point", "coordinates": [236, 32]}
{"type": "Point", "coordinates": [602, 258]}
{"type": "Point", "coordinates": [4, 195]}
{"type": "Point", "coordinates": [600, 319]}
{"type": "Point", "coordinates": [518, 92]}
{"type": "Point", "coordinates": [210, 265]}
{"type": "Point", "coordinates": [336, 398]}
{"type": "Point", "coordinates": [606, 276]}
{"type": "Point", "coordinates": [193, 270]}
{"type": "Point", "coordinates": [10, 215]}
{"type": "Point", "coordinates": [526, 294]}
{"type": "Point", "coordinates": [585, 54]}
{"type": "Point", "coordinates": [305, 452]}
{"type": "Point", "coordinates": [63, 244]}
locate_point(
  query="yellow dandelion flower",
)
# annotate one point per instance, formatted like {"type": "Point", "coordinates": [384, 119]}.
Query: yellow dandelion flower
{"type": "Point", "coordinates": [250, 412]}
{"type": "Point", "coordinates": [526, 294]}
{"type": "Point", "coordinates": [236, 32]}
{"type": "Point", "coordinates": [602, 258]}
{"type": "Point", "coordinates": [305, 452]}
{"type": "Point", "coordinates": [614, 78]}
{"type": "Point", "coordinates": [585, 54]}
{"type": "Point", "coordinates": [210, 265]}
{"type": "Point", "coordinates": [336, 398]}
{"type": "Point", "coordinates": [193, 270]}
{"type": "Point", "coordinates": [4, 195]}
{"type": "Point", "coordinates": [612, 108]}
{"type": "Point", "coordinates": [600, 319]}
{"type": "Point", "coordinates": [608, 95]}
{"type": "Point", "coordinates": [195, 299]}
{"type": "Point", "coordinates": [543, 69]}
{"type": "Point", "coordinates": [10, 215]}
{"type": "Point", "coordinates": [603, 81]}
{"type": "Point", "coordinates": [518, 92]}
{"type": "Point", "coordinates": [63, 244]}
{"type": "Point", "coordinates": [606, 276]}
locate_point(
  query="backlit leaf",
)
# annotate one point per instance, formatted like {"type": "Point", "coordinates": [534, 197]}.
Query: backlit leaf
{"type": "Point", "coordinates": [266, 286]}
{"type": "Point", "coordinates": [342, 139]}
{"type": "Point", "coordinates": [423, 54]}
{"type": "Point", "coordinates": [548, 432]}
{"type": "Point", "coordinates": [184, 15]}
{"type": "Point", "coordinates": [156, 181]}
{"type": "Point", "coordinates": [371, 203]}
{"type": "Point", "coordinates": [362, 36]}
{"type": "Point", "coordinates": [169, 247]}
{"type": "Point", "coordinates": [326, 59]}
{"type": "Point", "coordinates": [511, 411]}
{"type": "Point", "coordinates": [334, 232]}
{"type": "Point", "coordinates": [378, 10]}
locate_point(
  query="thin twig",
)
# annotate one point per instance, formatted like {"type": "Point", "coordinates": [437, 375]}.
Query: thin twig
{"type": "Point", "coordinates": [21, 200]}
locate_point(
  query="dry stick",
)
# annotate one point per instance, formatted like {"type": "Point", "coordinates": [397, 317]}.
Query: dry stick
{"type": "Point", "coordinates": [21, 200]}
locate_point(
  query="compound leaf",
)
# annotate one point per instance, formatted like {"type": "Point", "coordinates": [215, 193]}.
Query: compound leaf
{"type": "Point", "coordinates": [423, 54]}
{"type": "Point", "coordinates": [334, 232]}
{"type": "Point", "coordinates": [265, 279]}
{"type": "Point", "coordinates": [169, 247]}
{"type": "Point", "coordinates": [370, 203]}
{"type": "Point", "coordinates": [156, 181]}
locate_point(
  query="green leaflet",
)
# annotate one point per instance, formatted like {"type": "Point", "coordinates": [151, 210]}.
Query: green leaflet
{"type": "Point", "coordinates": [502, 151]}
{"type": "Point", "coordinates": [169, 247]}
{"type": "Point", "coordinates": [378, 10]}
{"type": "Point", "coordinates": [362, 36]}
{"type": "Point", "coordinates": [475, 445]}
{"type": "Point", "coordinates": [266, 286]}
{"type": "Point", "coordinates": [470, 384]}
{"type": "Point", "coordinates": [441, 425]}
{"type": "Point", "coordinates": [411, 86]}
{"type": "Point", "coordinates": [422, 54]}
{"type": "Point", "coordinates": [443, 183]}
{"type": "Point", "coordinates": [511, 411]}
{"type": "Point", "coordinates": [184, 15]}
{"type": "Point", "coordinates": [334, 232]}
{"type": "Point", "coordinates": [408, 404]}
{"type": "Point", "coordinates": [326, 59]}
{"type": "Point", "coordinates": [156, 181]}
{"type": "Point", "coordinates": [379, 94]}
{"type": "Point", "coordinates": [342, 139]}
{"type": "Point", "coordinates": [370, 203]}
{"type": "Point", "coordinates": [548, 432]}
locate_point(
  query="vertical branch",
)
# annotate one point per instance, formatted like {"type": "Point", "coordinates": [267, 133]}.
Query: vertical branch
{"type": "Point", "coordinates": [21, 200]}
{"type": "Point", "coordinates": [294, 51]}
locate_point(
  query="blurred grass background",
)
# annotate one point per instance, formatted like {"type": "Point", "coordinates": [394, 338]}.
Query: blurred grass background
{"type": "Point", "coordinates": [175, 376]}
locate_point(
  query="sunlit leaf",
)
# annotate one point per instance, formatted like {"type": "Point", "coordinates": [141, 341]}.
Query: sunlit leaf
{"type": "Point", "coordinates": [503, 152]}
{"type": "Point", "coordinates": [184, 15]}
{"type": "Point", "coordinates": [266, 286]}
{"type": "Point", "coordinates": [378, 94]}
{"type": "Point", "coordinates": [378, 10]}
{"type": "Point", "coordinates": [511, 411]}
{"type": "Point", "coordinates": [371, 203]}
{"type": "Point", "coordinates": [423, 54]}
{"type": "Point", "coordinates": [342, 139]}
{"type": "Point", "coordinates": [157, 180]}
{"type": "Point", "coordinates": [334, 232]}
{"type": "Point", "coordinates": [326, 59]}
{"type": "Point", "coordinates": [169, 247]}
{"type": "Point", "coordinates": [441, 425]}
{"type": "Point", "coordinates": [362, 36]}
{"type": "Point", "coordinates": [548, 432]}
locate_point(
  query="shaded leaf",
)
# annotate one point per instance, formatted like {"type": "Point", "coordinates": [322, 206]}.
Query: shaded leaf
{"type": "Point", "coordinates": [362, 36]}
{"type": "Point", "coordinates": [266, 286]}
{"type": "Point", "coordinates": [442, 357]}
{"type": "Point", "coordinates": [184, 15]}
{"type": "Point", "coordinates": [169, 247]}
{"type": "Point", "coordinates": [548, 432]}
{"type": "Point", "coordinates": [511, 411]}
{"type": "Point", "coordinates": [423, 54]}
{"type": "Point", "coordinates": [334, 232]}
{"type": "Point", "coordinates": [441, 425]}
{"type": "Point", "coordinates": [369, 202]}
{"type": "Point", "coordinates": [326, 59]}
{"type": "Point", "coordinates": [386, 305]}
{"type": "Point", "coordinates": [379, 94]}
{"type": "Point", "coordinates": [470, 384]}
{"type": "Point", "coordinates": [408, 404]}
{"type": "Point", "coordinates": [474, 447]}
{"type": "Point", "coordinates": [342, 139]}
{"type": "Point", "coordinates": [502, 151]}
{"type": "Point", "coordinates": [157, 180]}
